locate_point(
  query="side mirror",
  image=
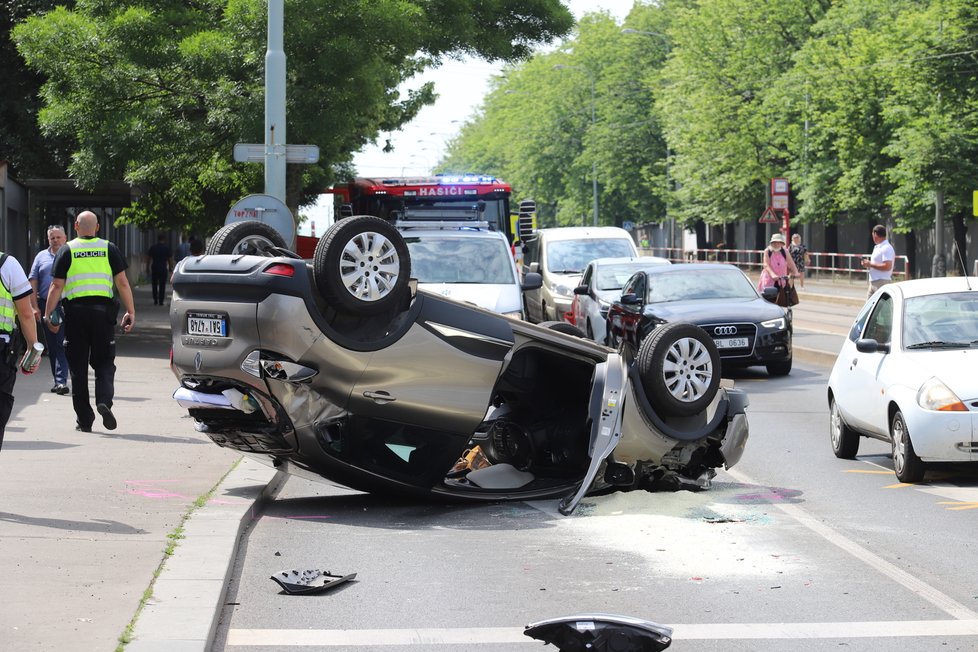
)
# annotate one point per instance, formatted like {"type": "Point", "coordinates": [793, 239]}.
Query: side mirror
{"type": "Point", "coordinates": [770, 294]}
{"type": "Point", "coordinates": [532, 281]}
{"type": "Point", "coordinates": [631, 299]}
{"type": "Point", "coordinates": [866, 345]}
{"type": "Point", "coordinates": [580, 289]}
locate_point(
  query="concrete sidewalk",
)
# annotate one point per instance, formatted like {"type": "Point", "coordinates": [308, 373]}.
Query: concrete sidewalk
{"type": "Point", "coordinates": [86, 517]}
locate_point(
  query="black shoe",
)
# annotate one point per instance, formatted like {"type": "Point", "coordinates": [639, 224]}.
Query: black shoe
{"type": "Point", "coordinates": [108, 420]}
{"type": "Point", "coordinates": [80, 428]}
{"type": "Point", "coordinates": [60, 390]}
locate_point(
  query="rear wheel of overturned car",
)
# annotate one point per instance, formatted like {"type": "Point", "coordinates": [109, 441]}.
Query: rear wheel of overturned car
{"type": "Point", "coordinates": [680, 369]}
{"type": "Point", "coordinates": [906, 464]}
{"type": "Point", "coordinates": [845, 441]}
{"type": "Point", "coordinates": [362, 265]}
{"type": "Point", "coordinates": [563, 327]}
{"type": "Point", "coordinates": [246, 238]}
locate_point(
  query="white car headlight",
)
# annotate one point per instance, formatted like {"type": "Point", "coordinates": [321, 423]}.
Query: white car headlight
{"type": "Point", "coordinates": [777, 324]}
{"type": "Point", "coordinates": [562, 290]}
{"type": "Point", "coordinates": [935, 395]}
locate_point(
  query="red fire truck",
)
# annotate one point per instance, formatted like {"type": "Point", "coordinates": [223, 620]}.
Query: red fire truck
{"type": "Point", "coordinates": [435, 198]}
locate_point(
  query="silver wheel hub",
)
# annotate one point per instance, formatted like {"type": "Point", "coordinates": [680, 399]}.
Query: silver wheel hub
{"type": "Point", "coordinates": [369, 266]}
{"type": "Point", "coordinates": [687, 369]}
{"type": "Point", "coordinates": [835, 422]}
{"type": "Point", "coordinates": [899, 445]}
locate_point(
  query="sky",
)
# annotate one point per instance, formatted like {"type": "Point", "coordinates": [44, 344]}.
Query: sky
{"type": "Point", "coordinates": [460, 86]}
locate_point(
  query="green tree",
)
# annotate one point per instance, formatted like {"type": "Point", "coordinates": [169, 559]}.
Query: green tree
{"type": "Point", "coordinates": [157, 92]}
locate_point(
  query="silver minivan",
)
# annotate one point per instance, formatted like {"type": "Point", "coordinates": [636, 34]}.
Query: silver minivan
{"type": "Point", "coordinates": [560, 255]}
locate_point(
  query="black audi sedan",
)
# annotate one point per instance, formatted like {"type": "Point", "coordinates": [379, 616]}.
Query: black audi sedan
{"type": "Point", "coordinates": [748, 329]}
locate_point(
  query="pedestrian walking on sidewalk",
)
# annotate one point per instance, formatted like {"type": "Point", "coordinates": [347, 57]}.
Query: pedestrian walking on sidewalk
{"type": "Point", "coordinates": [880, 263]}
{"type": "Point", "coordinates": [799, 254]}
{"type": "Point", "coordinates": [777, 263]}
{"type": "Point", "coordinates": [40, 280]}
{"type": "Point", "coordinates": [159, 260]}
{"type": "Point", "coordinates": [84, 272]}
{"type": "Point", "coordinates": [15, 303]}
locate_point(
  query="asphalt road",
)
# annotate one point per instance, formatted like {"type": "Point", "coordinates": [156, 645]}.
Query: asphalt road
{"type": "Point", "coordinates": [792, 549]}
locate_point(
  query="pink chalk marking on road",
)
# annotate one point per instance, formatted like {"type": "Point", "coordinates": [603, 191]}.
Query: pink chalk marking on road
{"type": "Point", "coordinates": [149, 489]}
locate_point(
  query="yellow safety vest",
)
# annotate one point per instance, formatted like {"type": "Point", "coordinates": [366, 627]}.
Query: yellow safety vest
{"type": "Point", "coordinates": [7, 312]}
{"type": "Point", "coordinates": [89, 274]}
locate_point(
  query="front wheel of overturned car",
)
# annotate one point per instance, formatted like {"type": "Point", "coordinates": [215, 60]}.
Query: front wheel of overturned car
{"type": "Point", "coordinates": [680, 369]}
{"type": "Point", "coordinates": [563, 327]}
{"type": "Point", "coordinates": [246, 238]}
{"type": "Point", "coordinates": [362, 265]}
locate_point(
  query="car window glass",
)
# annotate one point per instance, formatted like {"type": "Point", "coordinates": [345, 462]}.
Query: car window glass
{"type": "Point", "coordinates": [586, 279]}
{"type": "Point", "coordinates": [880, 324]}
{"type": "Point", "coordinates": [629, 287]}
{"type": "Point", "coordinates": [951, 317]}
{"type": "Point", "coordinates": [460, 260]}
{"type": "Point", "coordinates": [571, 256]}
{"type": "Point", "coordinates": [857, 326]}
{"type": "Point", "coordinates": [693, 284]}
{"type": "Point", "coordinates": [613, 277]}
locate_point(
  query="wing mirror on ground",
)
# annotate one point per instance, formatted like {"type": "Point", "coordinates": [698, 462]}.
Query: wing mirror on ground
{"type": "Point", "coordinates": [866, 345]}
{"type": "Point", "coordinates": [631, 299]}
{"type": "Point", "coordinates": [532, 281]}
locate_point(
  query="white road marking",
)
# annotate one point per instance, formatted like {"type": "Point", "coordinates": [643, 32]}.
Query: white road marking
{"type": "Point", "coordinates": [469, 637]}
{"type": "Point", "coordinates": [943, 602]}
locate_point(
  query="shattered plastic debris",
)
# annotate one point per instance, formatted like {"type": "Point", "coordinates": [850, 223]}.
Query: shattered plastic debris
{"type": "Point", "coordinates": [309, 581]}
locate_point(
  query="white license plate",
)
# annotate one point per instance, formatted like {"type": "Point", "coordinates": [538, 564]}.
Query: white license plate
{"type": "Point", "coordinates": [209, 325]}
{"type": "Point", "coordinates": [732, 343]}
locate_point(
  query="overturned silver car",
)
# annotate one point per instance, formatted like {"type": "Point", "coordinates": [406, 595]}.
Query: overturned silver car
{"type": "Point", "coordinates": [340, 369]}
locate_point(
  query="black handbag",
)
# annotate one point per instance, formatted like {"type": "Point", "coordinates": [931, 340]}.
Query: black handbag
{"type": "Point", "coordinates": [787, 295]}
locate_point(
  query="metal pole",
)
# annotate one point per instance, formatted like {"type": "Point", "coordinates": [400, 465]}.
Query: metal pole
{"type": "Point", "coordinates": [275, 138]}
{"type": "Point", "coordinates": [594, 159]}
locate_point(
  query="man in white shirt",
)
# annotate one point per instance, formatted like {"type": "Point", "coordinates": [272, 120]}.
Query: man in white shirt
{"type": "Point", "coordinates": [880, 263]}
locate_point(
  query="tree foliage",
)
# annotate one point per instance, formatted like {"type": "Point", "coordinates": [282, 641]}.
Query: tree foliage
{"type": "Point", "coordinates": [157, 92]}
{"type": "Point", "coordinates": [867, 106]}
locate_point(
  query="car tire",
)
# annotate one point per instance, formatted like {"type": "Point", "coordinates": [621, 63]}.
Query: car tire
{"type": "Point", "coordinates": [680, 369]}
{"type": "Point", "coordinates": [906, 464]}
{"type": "Point", "coordinates": [563, 327]}
{"type": "Point", "coordinates": [362, 265]}
{"type": "Point", "coordinates": [246, 238]}
{"type": "Point", "coordinates": [781, 368]}
{"type": "Point", "coordinates": [845, 440]}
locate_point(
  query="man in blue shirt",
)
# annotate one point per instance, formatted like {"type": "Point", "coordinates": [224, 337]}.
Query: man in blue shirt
{"type": "Point", "coordinates": [40, 280]}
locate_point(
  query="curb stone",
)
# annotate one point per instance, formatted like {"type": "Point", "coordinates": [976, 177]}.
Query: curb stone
{"type": "Point", "coordinates": [186, 603]}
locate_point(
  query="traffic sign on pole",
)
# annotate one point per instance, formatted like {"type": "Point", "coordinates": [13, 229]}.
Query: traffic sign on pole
{"type": "Point", "coordinates": [255, 153]}
{"type": "Point", "coordinates": [768, 216]}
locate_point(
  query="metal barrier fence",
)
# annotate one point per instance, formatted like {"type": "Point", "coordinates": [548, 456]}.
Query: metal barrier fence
{"type": "Point", "coordinates": [823, 265]}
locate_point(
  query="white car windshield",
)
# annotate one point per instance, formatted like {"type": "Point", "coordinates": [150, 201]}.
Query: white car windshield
{"type": "Point", "coordinates": [460, 260]}
{"type": "Point", "coordinates": [713, 283]}
{"type": "Point", "coordinates": [941, 320]}
{"type": "Point", "coordinates": [613, 277]}
{"type": "Point", "coordinates": [572, 256]}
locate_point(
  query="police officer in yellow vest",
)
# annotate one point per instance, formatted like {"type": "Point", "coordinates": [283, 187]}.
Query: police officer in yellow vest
{"type": "Point", "coordinates": [15, 301]}
{"type": "Point", "coordinates": [83, 274]}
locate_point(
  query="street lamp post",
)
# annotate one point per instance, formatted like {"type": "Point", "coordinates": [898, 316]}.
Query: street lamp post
{"type": "Point", "coordinates": [594, 160]}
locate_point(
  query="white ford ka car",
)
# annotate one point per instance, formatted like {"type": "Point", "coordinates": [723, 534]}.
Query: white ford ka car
{"type": "Point", "coordinates": [906, 375]}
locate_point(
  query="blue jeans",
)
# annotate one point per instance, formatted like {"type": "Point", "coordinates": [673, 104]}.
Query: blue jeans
{"type": "Point", "coordinates": [55, 343]}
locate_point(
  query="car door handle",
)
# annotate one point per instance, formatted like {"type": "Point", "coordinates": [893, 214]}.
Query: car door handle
{"type": "Point", "coordinates": [380, 398]}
